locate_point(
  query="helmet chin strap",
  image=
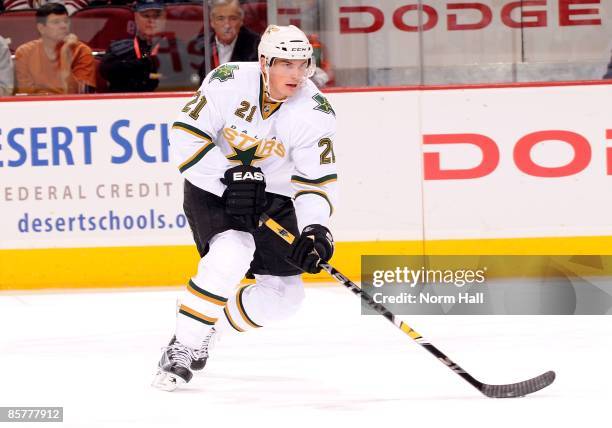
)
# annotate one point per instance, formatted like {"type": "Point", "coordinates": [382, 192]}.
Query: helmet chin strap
{"type": "Point", "coordinates": [267, 86]}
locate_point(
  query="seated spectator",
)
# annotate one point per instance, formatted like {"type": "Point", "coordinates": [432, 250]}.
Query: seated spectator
{"type": "Point", "coordinates": [6, 69]}
{"type": "Point", "coordinates": [149, 61]}
{"type": "Point", "coordinates": [57, 63]}
{"type": "Point", "coordinates": [230, 41]}
{"type": "Point", "coordinates": [71, 5]}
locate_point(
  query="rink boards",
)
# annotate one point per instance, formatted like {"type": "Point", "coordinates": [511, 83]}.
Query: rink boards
{"type": "Point", "coordinates": [89, 198]}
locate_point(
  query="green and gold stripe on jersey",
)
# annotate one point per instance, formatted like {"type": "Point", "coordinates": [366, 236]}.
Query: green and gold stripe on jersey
{"type": "Point", "coordinates": [205, 295]}
{"type": "Point", "coordinates": [190, 129]}
{"type": "Point", "coordinates": [241, 309]}
{"type": "Point", "coordinates": [318, 193]}
{"type": "Point", "coordinates": [201, 152]}
{"type": "Point", "coordinates": [322, 181]}
{"type": "Point", "coordinates": [193, 314]}
{"type": "Point", "coordinates": [231, 321]}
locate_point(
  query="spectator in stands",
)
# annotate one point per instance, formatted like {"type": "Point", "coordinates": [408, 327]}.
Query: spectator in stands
{"type": "Point", "coordinates": [6, 69]}
{"type": "Point", "coordinates": [151, 60]}
{"type": "Point", "coordinates": [57, 62]}
{"type": "Point", "coordinates": [231, 41]}
{"type": "Point", "coordinates": [71, 5]}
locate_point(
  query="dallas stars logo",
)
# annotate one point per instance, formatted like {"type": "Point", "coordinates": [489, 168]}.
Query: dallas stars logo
{"type": "Point", "coordinates": [323, 105]}
{"type": "Point", "coordinates": [245, 157]}
{"type": "Point", "coordinates": [224, 73]}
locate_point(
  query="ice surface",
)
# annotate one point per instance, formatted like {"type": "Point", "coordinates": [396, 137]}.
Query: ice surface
{"type": "Point", "coordinates": [94, 353]}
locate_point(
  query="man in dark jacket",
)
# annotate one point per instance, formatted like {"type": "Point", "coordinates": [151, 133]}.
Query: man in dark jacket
{"type": "Point", "coordinates": [231, 41]}
{"type": "Point", "coordinates": [151, 60]}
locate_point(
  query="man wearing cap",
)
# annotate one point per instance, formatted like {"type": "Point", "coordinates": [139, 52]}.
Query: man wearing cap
{"type": "Point", "coordinates": [149, 61]}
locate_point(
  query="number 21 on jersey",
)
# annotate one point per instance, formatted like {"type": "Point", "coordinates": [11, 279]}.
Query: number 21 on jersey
{"type": "Point", "coordinates": [195, 113]}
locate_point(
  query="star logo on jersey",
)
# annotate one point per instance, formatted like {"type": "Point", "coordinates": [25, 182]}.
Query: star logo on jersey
{"type": "Point", "coordinates": [323, 105]}
{"type": "Point", "coordinates": [224, 73]}
{"type": "Point", "coordinates": [247, 156]}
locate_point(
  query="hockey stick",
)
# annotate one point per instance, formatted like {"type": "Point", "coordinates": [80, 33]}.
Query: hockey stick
{"type": "Point", "coordinates": [510, 390]}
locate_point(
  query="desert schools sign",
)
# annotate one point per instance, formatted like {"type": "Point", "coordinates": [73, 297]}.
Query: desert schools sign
{"type": "Point", "coordinates": [79, 145]}
{"type": "Point", "coordinates": [461, 16]}
{"type": "Point", "coordinates": [445, 164]}
{"type": "Point", "coordinates": [93, 199]}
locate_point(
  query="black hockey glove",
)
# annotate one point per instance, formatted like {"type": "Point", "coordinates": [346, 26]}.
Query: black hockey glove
{"type": "Point", "coordinates": [245, 196]}
{"type": "Point", "coordinates": [314, 245]}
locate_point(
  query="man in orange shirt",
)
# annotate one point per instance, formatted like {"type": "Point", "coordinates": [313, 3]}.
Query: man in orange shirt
{"type": "Point", "coordinates": [57, 63]}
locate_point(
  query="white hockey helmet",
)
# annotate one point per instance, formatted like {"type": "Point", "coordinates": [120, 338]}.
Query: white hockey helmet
{"type": "Point", "coordinates": [286, 42]}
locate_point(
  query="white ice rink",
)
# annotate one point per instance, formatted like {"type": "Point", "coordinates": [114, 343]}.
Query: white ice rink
{"type": "Point", "coordinates": [95, 355]}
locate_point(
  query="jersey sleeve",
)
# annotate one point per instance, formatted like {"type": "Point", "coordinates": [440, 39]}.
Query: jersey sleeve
{"type": "Point", "coordinates": [314, 180]}
{"type": "Point", "coordinates": [193, 139]}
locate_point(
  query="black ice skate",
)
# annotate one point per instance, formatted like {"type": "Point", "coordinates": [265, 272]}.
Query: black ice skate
{"type": "Point", "coordinates": [174, 366]}
{"type": "Point", "coordinates": [201, 354]}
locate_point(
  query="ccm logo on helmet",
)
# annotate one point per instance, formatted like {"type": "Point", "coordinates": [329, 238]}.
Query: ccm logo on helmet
{"type": "Point", "coordinates": [298, 49]}
{"type": "Point", "coordinates": [239, 176]}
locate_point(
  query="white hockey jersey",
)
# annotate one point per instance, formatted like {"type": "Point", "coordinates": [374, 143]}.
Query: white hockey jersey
{"type": "Point", "coordinates": [228, 123]}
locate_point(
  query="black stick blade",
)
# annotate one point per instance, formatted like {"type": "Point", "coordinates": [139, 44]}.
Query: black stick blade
{"type": "Point", "coordinates": [519, 389]}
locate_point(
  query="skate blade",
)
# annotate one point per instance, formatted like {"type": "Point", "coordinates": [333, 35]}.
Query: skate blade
{"type": "Point", "coordinates": [167, 381]}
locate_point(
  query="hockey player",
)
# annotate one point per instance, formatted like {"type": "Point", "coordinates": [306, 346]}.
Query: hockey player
{"type": "Point", "coordinates": [255, 138]}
